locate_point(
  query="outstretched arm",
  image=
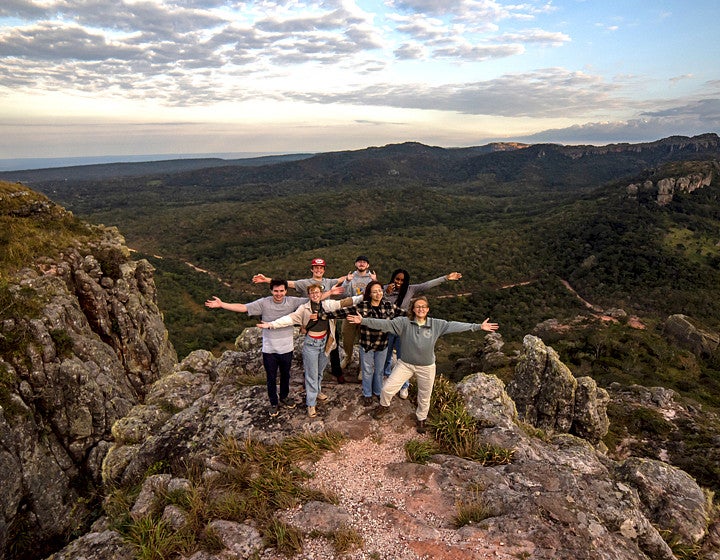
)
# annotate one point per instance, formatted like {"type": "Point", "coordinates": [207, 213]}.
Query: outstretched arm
{"type": "Point", "coordinates": [216, 303]}
{"type": "Point", "coordinates": [262, 279]}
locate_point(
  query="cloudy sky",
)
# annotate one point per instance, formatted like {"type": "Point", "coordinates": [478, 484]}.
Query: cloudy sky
{"type": "Point", "coordinates": [134, 77]}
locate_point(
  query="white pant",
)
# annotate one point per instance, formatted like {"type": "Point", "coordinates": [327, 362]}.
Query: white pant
{"type": "Point", "coordinates": [425, 376]}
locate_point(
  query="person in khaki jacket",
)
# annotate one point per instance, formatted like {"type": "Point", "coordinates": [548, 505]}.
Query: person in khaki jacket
{"type": "Point", "coordinates": [319, 339]}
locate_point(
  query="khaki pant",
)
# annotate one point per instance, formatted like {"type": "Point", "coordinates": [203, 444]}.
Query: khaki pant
{"type": "Point", "coordinates": [349, 334]}
{"type": "Point", "coordinates": [425, 377]}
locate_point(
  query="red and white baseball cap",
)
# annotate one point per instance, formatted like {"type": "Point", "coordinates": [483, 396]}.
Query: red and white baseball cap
{"type": "Point", "coordinates": [317, 262]}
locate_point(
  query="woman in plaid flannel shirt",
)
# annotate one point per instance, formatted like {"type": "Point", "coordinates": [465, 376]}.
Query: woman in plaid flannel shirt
{"type": "Point", "coordinates": [373, 343]}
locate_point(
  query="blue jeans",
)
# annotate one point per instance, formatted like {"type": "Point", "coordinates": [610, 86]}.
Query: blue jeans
{"type": "Point", "coordinates": [314, 362]}
{"type": "Point", "coordinates": [273, 362]}
{"type": "Point", "coordinates": [372, 363]}
{"type": "Point", "coordinates": [393, 343]}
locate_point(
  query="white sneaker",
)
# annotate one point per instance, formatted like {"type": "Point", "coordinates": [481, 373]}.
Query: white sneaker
{"type": "Point", "coordinates": [312, 413]}
{"type": "Point", "coordinates": [322, 397]}
{"type": "Point", "coordinates": [403, 393]}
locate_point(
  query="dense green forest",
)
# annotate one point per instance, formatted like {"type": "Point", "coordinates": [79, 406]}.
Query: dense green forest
{"type": "Point", "coordinates": [520, 224]}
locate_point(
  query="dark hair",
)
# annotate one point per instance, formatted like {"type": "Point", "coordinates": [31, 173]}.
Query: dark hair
{"type": "Point", "coordinates": [278, 282]}
{"type": "Point", "coordinates": [402, 292]}
{"type": "Point", "coordinates": [411, 308]}
{"type": "Point", "coordinates": [366, 294]}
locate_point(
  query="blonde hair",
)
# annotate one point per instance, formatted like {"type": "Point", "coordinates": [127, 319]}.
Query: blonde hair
{"type": "Point", "coordinates": [313, 287]}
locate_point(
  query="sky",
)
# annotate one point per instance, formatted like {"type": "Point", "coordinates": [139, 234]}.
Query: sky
{"type": "Point", "coordinates": [83, 78]}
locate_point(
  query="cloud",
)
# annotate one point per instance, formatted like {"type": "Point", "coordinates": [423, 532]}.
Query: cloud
{"type": "Point", "coordinates": [691, 119]}
{"type": "Point", "coordinates": [547, 93]}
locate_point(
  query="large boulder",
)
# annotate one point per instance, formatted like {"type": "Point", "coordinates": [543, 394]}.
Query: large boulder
{"type": "Point", "coordinates": [548, 396]}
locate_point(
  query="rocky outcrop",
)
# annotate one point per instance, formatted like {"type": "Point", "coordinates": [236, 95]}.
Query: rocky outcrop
{"type": "Point", "coordinates": [548, 396]}
{"type": "Point", "coordinates": [665, 189]}
{"type": "Point", "coordinates": [686, 335]}
{"type": "Point", "coordinates": [559, 498]}
{"type": "Point", "coordinates": [82, 338]}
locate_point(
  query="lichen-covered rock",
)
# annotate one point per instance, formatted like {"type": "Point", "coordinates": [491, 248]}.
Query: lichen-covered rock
{"type": "Point", "coordinates": [548, 396]}
{"type": "Point", "coordinates": [90, 339]}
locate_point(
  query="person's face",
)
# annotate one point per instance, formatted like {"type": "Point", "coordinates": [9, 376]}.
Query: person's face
{"type": "Point", "coordinates": [399, 280]}
{"type": "Point", "coordinates": [315, 295]}
{"type": "Point", "coordinates": [362, 266]}
{"type": "Point", "coordinates": [317, 271]}
{"type": "Point", "coordinates": [421, 309]}
{"type": "Point", "coordinates": [376, 294]}
{"type": "Point", "coordinates": [278, 293]}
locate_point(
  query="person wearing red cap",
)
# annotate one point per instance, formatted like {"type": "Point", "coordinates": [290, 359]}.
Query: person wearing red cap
{"type": "Point", "coordinates": [317, 267]}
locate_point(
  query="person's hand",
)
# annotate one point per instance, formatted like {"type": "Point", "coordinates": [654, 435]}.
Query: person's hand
{"type": "Point", "coordinates": [214, 302]}
{"type": "Point", "coordinates": [390, 288]}
{"type": "Point", "coordinates": [263, 325]}
{"type": "Point", "coordinates": [355, 319]}
{"type": "Point", "coordinates": [349, 276]}
{"type": "Point", "coordinates": [454, 276]}
{"type": "Point", "coordinates": [261, 279]}
{"type": "Point", "coordinates": [337, 290]}
{"type": "Point", "coordinates": [488, 326]}
{"type": "Point", "coordinates": [373, 275]}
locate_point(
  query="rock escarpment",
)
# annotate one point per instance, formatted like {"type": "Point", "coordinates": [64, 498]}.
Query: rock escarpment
{"type": "Point", "coordinates": [560, 497]}
{"type": "Point", "coordinates": [81, 338]}
{"type": "Point", "coordinates": [663, 190]}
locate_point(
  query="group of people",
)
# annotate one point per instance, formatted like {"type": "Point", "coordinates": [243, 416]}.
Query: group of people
{"type": "Point", "coordinates": [386, 319]}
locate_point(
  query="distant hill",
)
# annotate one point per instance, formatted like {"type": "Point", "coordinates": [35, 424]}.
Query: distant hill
{"type": "Point", "coordinates": [134, 169]}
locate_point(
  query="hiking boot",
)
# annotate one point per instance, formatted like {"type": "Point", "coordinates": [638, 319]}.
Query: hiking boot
{"type": "Point", "coordinates": [288, 402]}
{"type": "Point", "coordinates": [403, 394]}
{"type": "Point", "coordinates": [312, 413]}
{"type": "Point", "coordinates": [273, 410]}
{"type": "Point", "coordinates": [380, 411]}
{"type": "Point", "coordinates": [322, 397]}
{"type": "Point", "coordinates": [341, 378]}
{"type": "Point", "coordinates": [367, 401]}
{"type": "Point", "coordinates": [421, 429]}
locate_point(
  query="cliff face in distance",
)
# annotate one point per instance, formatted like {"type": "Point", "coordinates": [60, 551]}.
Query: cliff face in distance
{"type": "Point", "coordinates": [81, 338]}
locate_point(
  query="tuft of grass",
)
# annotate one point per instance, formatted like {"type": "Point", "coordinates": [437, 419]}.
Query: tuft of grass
{"type": "Point", "coordinates": [455, 431]}
{"type": "Point", "coordinates": [474, 510]}
{"type": "Point", "coordinates": [346, 539]}
{"type": "Point", "coordinates": [491, 455]}
{"type": "Point", "coordinates": [153, 539]}
{"type": "Point", "coordinates": [283, 537]}
{"type": "Point", "coordinates": [420, 451]}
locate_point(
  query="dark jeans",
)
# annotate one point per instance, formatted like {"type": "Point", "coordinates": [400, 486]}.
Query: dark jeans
{"type": "Point", "coordinates": [335, 368]}
{"type": "Point", "coordinates": [272, 363]}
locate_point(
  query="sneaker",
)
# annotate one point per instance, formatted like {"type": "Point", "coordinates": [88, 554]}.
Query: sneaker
{"type": "Point", "coordinates": [360, 376]}
{"type": "Point", "coordinates": [403, 393]}
{"type": "Point", "coordinates": [421, 429]}
{"type": "Point", "coordinates": [367, 401]}
{"type": "Point", "coordinates": [322, 397]}
{"type": "Point", "coordinates": [288, 402]}
{"type": "Point", "coordinates": [273, 410]}
{"type": "Point", "coordinates": [380, 411]}
{"type": "Point", "coordinates": [312, 413]}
